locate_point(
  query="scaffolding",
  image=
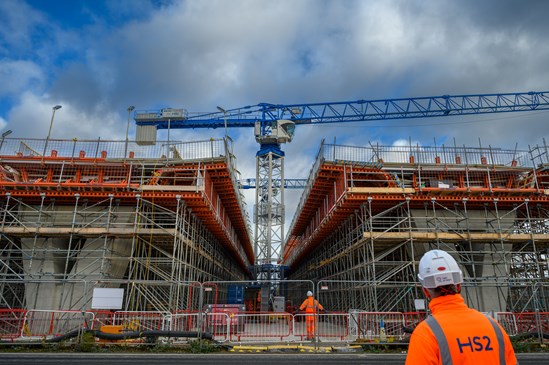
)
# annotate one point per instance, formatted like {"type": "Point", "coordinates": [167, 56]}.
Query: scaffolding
{"type": "Point", "coordinates": [156, 222]}
{"type": "Point", "coordinates": [369, 213]}
{"type": "Point", "coordinates": [161, 220]}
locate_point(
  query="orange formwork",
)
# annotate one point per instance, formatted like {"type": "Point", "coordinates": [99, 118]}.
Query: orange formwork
{"type": "Point", "coordinates": [340, 188]}
{"type": "Point", "coordinates": [206, 186]}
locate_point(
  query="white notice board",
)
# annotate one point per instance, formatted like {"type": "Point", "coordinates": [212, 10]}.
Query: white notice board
{"type": "Point", "coordinates": [107, 298]}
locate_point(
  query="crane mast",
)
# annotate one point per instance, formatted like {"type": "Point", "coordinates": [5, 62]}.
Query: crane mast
{"type": "Point", "coordinates": [274, 125]}
{"type": "Point", "coordinates": [269, 206]}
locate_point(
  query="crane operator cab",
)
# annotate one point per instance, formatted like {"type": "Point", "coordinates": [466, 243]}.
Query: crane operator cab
{"type": "Point", "coordinates": [274, 132]}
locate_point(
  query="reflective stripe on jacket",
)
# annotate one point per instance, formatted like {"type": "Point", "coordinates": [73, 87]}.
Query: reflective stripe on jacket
{"type": "Point", "coordinates": [458, 335]}
{"type": "Point", "coordinates": [444, 349]}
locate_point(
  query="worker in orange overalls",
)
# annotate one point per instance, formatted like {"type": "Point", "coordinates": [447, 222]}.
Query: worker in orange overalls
{"type": "Point", "coordinates": [454, 334]}
{"type": "Point", "coordinates": [311, 307]}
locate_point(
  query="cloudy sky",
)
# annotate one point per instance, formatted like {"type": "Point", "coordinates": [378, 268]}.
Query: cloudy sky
{"type": "Point", "coordinates": [97, 57]}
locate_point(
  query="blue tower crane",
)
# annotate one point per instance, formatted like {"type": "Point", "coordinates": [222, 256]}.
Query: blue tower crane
{"type": "Point", "coordinates": [274, 125]}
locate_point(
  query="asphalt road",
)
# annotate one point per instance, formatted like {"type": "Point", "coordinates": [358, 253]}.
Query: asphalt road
{"type": "Point", "coordinates": [224, 359]}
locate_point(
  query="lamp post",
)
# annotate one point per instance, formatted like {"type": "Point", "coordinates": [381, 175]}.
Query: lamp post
{"type": "Point", "coordinates": [57, 107]}
{"type": "Point", "coordinates": [4, 135]}
{"type": "Point", "coordinates": [168, 150]}
{"type": "Point", "coordinates": [130, 109]}
{"type": "Point", "coordinates": [224, 118]}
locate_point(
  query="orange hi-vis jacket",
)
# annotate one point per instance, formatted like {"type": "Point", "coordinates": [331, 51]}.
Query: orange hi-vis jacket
{"type": "Point", "coordinates": [457, 334]}
{"type": "Point", "coordinates": [311, 305]}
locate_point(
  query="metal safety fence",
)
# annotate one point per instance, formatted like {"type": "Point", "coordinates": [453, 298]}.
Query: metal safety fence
{"type": "Point", "coordinates": [43, 323]}
{"type": "Point", "coordinates": [75, 148]}
{"type": "Point", "coordinates": [246, 312]}
{"type": "Point", "coordinates": [533, 323]}
{"type": "Point", "coordinates": [264, 326]}
{"type": "Point", "coordinates": [11, 323]}
{"type": "Point", "coordinates": [231, 326]}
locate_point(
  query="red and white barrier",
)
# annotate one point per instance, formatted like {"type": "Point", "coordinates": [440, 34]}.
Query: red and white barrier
{"type": "Point", "coordinates": [227, 326]}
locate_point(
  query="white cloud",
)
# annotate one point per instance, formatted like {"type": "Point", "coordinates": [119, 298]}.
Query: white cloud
{"type": "Point", "coordinates": [32, 118]}
{"type": "Point", "coordinates": [200, 54]}
{"type": "Point", "coordinates": [18, 22]}
{"type": "Point", "coordinates": [18, 76]}
{"type": "Point", "coordinates": [3, 124]}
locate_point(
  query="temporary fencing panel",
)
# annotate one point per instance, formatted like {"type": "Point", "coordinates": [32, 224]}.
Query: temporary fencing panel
{"type": "Point", "coordinates": [139, 321]}
{"type": "Point", "coordinates": [333, 326]}
{"type": "Point", "coordinates": [232, 312]}
{"type": "Point", "coordinates": [376, 325]}
{"type": "Point", "coordinates": [219, 325]}
{"type": "Point", "coordinates": [508, 321]}
{"type": "Point", "coordinates": [533, 322]}
{"type": "Point", "coordinates": [226, 324]}
{"type": "Point", "coordinates": [263, 326]}
{"type": "Point", "coordinates": [412, 319]}
{"type": "Point", "coordinates": [300, 326]}
{"type": "Point", "coordinates": [11, 323]}
{"type": "Point", "coordinates": [42, 323]}
{"type": "Point", "coordinates": [102, 318]}
{"type": "Point", "coordinates": [184, 321]}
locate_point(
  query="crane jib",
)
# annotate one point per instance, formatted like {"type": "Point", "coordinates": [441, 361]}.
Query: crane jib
{"type": "Point", "coordinates": [348, 111]}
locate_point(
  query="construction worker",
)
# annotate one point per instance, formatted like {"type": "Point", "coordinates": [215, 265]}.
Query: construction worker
{"type": "Point", "coordinates": [454, 334]}
{"type": "Point", "coordinates": [311, 307]}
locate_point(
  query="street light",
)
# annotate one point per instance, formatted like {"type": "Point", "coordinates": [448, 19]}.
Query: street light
{"type": "Point", "coordinates": [130, 109]}
{"type": "Point", "coordinates": [4, 135]}
{"type": "Point", "coordinates": [57, 107]}
{"type": "Point", "coordinates": [168, 149]}
{"type": "Point", "coordinates": [224, 118]}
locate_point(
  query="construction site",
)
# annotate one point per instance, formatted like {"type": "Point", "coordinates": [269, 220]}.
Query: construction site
{"type": "Point", "coordinates": [162, 229]}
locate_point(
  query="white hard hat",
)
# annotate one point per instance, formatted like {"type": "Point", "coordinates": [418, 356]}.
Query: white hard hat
{"type": "Point", "coordinates": [309, 293]}
{"type": "Point", "coordinates": [438, 268]}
